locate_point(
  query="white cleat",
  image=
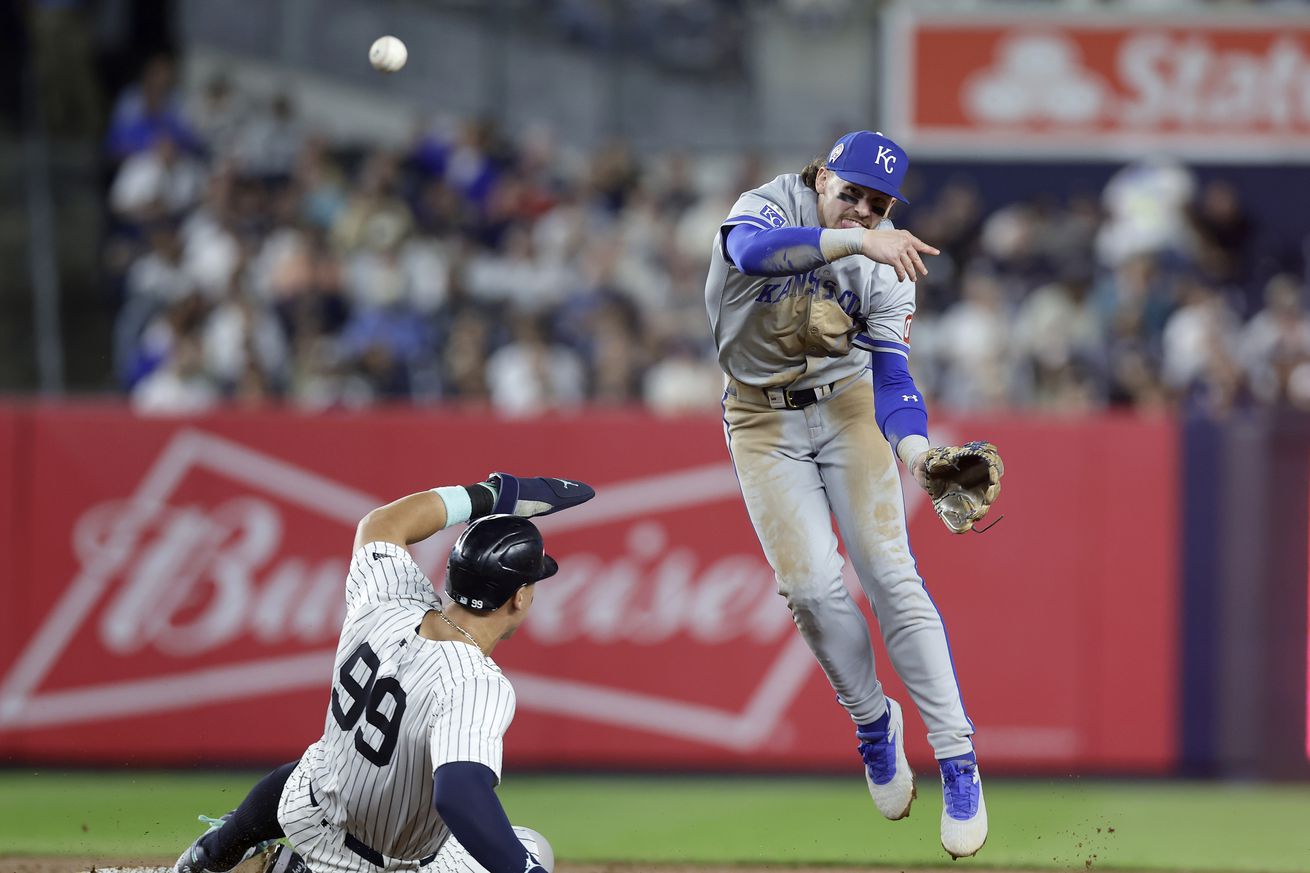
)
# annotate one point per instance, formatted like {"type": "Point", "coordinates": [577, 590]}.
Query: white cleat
{"type": "Point", "coordinates": [964, 813]}
{"type": "Point", "coordinates": [886, 770]}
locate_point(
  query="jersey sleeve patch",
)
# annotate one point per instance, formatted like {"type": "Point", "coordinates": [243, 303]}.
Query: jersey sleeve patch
{"type": "Point", "coordinates": [890, 310]}
{"type": "Point", "coordinates": [470, 724]}
{"type": "Point", "coordinates": [384, 571]}
{"type": "Point", "coordinates": [753, 209]}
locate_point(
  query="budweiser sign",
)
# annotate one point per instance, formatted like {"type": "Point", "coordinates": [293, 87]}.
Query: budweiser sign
{"type": "Point", "coordinates": [172, 592]}
{"type": "Point", "coordinates": [1223, 90]}
{"type": "Point", "coordinates": [220, 580]}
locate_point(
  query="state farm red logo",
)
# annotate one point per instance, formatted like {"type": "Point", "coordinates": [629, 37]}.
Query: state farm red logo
{"type": "Point", "coordinates": [220, 579]}
{"type": "Point", "coordinates": [1155, 78]}
{"type": "Point", "coordinates": [1207, 86]}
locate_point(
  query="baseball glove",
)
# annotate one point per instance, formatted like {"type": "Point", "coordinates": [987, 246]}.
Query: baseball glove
{"type": "Point", "coordinates": [963, 482]}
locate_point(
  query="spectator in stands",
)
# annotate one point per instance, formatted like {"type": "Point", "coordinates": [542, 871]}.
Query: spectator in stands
{"type": "Point", "coordinates": [616, 355]}
{"type": "Point", "coordinates": [245, 351]}
{"type": "Point", "coordinates": [974, 345]}
{"type": "Point", "coordinates": [1223, 234]}
{"type": "Point", "coordinates": [681, 380]}
{"type": "Point", "coordinates": [463, 356]}
{"type": "Point", "coordinates": [374, 214]}
{"type": "Point", "coordinates": [1275, 345]}
{"type": "Point", "coordinates": [180, 386]}
{"type": "Point", "coordinates": [155, 281]}
{"type": "Point", "coordinates": [213, 248]}
{"type": "Point", "coordinates": [156, 183]}
{"type": "Point", "coordinates": [387, 341]}
{"type": "Point", "coordinates": [1199, 344]}
{"type": "Point", "coordinates": [531, 374]}
{"type": "Point", "coordinates": [267, 142]}
{"type": "Point", "coordinates": [217, 113]}
{"type": "Point", "coordinates": [304, 280]}
{"type": "Point", "coordinates": [1058, 347]}
{"type": "Point", "coordinates": [148, 110]}
{"type": "Point", "coordinates": [1146, 212]}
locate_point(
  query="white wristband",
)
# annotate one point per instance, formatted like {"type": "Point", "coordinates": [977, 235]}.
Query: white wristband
{"type": "Point", "coordinates": [458, 505]}
{"type": "Point", "coordinates": [909, 448]}
{"type": "Point", "coordinates": [840, 243]}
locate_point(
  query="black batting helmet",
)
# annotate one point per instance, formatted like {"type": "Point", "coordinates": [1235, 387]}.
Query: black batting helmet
{"type": "Point", "coordinates": [494, 557]}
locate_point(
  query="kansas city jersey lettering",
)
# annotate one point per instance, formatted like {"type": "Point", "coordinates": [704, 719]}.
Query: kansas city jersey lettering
{"type": "Point", "coordinates": [815, 282]}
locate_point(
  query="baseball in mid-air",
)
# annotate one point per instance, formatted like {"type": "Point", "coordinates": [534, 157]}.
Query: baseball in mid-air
{"type": "Point", "coordinates": [387, 54]}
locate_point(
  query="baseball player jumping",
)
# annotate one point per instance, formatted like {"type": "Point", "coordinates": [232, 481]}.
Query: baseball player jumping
{"type": "Point", "coordinates": [807, 278]}
{"type": "Point", "coordinates": [404, 775]}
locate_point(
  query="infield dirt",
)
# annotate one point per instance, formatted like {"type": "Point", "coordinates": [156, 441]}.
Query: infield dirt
{"type": "Point", "coordinates": [155, 865]}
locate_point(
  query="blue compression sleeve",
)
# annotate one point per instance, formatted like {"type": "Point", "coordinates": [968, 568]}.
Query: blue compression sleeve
{"type": "Point", "coordinates": [778, 251]}
{"type": "Point", "coordinates": [464, 795]}
{"type": "Point", "coordinates": [899, 404]}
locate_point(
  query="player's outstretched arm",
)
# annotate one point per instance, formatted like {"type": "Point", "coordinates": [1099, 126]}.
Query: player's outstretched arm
{"type": "Point", "coordinates": [789, 251]}
{"type": "Point", "coordinates": [416, 517]}
{"type": "Point", "coordinates": [464, 795]}
{"type": "Point", "coordinates": [410, 519]}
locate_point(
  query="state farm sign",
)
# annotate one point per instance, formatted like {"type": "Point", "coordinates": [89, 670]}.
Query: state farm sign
{"type": "Point", "coordinates": [1221, 90]}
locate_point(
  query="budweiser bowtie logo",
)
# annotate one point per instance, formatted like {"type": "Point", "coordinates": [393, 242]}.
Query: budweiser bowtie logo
{"type": "Point", "coordinates": [220, 579]}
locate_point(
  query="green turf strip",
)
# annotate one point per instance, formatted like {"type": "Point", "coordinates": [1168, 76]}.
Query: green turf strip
{"type": "Point", "coordinates": [1055, 824]}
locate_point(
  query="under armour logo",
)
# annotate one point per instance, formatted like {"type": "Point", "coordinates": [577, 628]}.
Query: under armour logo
{"type": "Point", "coordinates": [567, 484]}
{"type": "Point", "coordinates": [908, 397]}
{"type": "Point", "coordinates": [887, 158]}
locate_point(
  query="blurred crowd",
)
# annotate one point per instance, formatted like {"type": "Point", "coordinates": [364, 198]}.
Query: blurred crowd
{"type": "Point", "coordinates": [254, 262]}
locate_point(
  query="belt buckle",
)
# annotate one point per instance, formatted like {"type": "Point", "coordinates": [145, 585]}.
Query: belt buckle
{"type": "Point", "coordinates": [778, 398]}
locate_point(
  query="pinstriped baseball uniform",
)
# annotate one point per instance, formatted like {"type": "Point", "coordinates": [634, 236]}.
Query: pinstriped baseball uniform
{"type": "Point", "coordinates": [401, 706]}
{"type": "Point", "coordinates": [798, 467]}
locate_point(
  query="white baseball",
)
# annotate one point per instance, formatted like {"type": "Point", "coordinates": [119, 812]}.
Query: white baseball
{"type": "Point", "coordinates": [387, 54]}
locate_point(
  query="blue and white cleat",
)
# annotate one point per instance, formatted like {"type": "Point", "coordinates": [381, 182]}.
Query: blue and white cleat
{"type": "Point", "coordinates": [537, 495]}
{"type": "Point", "coordinates": [964, 814]}
{"type": "Point", "coordinates": [891, 781]}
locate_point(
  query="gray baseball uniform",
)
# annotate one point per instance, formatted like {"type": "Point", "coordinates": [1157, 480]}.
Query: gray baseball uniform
{"type": "Point", "coordinates": [778, 339]}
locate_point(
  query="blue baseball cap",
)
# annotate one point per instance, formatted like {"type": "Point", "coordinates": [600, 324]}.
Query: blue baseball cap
{"type": "Point", "coordinates": [863, 157]}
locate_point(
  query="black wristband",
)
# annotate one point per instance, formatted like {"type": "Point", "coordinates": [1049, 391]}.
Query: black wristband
{"type": "Point", "coordinates": [481, 500]}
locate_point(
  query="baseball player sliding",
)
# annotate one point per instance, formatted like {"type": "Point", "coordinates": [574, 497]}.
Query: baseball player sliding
{"type": "Point", "coordinates": [404, 775]}
{"type": "Point", "coordinates": [807, 278]}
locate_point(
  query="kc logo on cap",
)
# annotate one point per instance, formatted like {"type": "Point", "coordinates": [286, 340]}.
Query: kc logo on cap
{"type": "Point", "coordinates": [870, 160]}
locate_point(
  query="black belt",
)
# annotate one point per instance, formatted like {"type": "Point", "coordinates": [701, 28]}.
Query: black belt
{"type": "Point", "coordinates": [781, 398]}
{"type": "Point", "coordinates": [363, 849]}
{"type": "Point", "coordinates": [372, 855]}
{"type": "Point", "coordinates": [797, 399]}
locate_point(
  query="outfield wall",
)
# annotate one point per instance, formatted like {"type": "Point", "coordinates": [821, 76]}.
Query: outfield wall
{"type": "Point", "coordinates": [171, 591]}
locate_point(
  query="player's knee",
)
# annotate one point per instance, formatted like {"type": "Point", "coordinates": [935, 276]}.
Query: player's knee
{"type": "Point", "coordinates": [537, 845]}
{"type": "Point", "coordinates": [805, 597]}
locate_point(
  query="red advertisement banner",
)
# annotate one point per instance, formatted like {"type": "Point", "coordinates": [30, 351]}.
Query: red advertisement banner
{"type": "Point", "coordinates": [185, 593]}
{"type": "Point", "coordinates": [12, 561]}
{"type": "Point", "coordinates": [1223, 89]}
